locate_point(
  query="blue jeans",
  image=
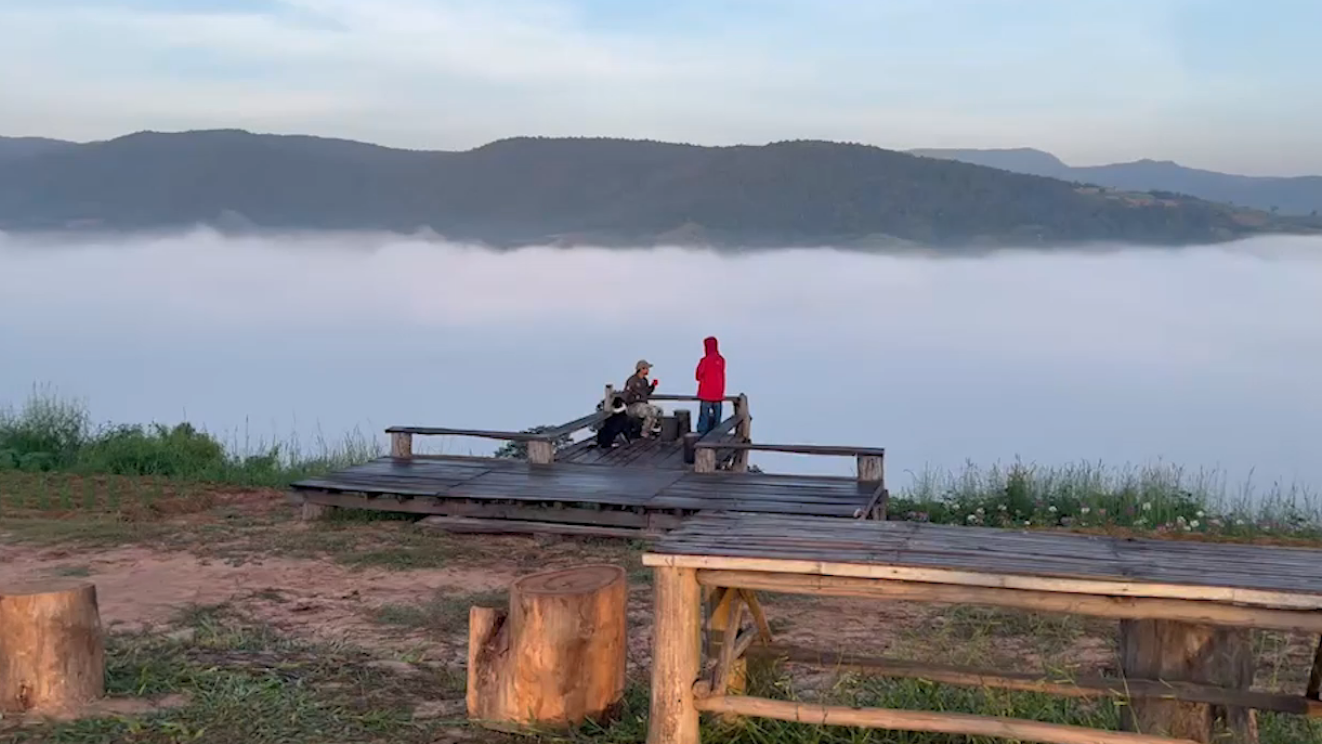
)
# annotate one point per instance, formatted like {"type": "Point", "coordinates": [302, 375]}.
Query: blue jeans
{"type": "Point", "coordinates": [709, 415]}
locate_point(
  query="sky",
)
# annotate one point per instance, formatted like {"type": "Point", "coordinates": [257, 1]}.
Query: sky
{"type": "Point", "coordinates": [1219, 84]}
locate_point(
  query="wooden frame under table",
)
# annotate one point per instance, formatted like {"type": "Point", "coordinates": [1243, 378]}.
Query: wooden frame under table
{"type": "Point", "coordinates": [1186, 611]}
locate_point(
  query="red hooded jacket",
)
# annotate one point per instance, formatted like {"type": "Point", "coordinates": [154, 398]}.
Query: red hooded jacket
{"type": "Point", "coordinates": [711, 373]}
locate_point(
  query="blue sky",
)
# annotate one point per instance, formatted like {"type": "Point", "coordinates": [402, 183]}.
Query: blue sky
{"type": "Point", "coordinates": [1210, 83]}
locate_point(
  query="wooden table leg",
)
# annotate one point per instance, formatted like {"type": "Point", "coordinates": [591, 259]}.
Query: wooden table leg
{"type": "Point", "coordinates": [676, 656]}
{"type": "Point", "coordinates": [1314, 691]}
{"type": "Point", "coordinates": [1184, 652]}
{"type": "Point", "coordinates": [718, 630]}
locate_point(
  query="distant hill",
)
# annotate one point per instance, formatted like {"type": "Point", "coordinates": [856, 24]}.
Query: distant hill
{"type": "Point", "coordinates": [18, 147]}
{"type": "Point", "coordinates": [585, 191]}
{"type": "Point", "coordinates": [1289, 195]}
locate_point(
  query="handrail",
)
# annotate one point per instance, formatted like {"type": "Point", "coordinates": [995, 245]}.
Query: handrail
{"type": "Point", "coordinates": [509, 436]}
{"type": "Point", "coordinates": [673, 398]}
{"type": "Point", "coordinates": [556, 432]}
{"type": "Point", "coordinates": [801, 449]}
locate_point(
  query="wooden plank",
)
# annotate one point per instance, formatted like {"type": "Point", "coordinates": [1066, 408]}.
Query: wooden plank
{"type": "Point", "coordinates": [1088, 686]}
{"type": "Point", "coordinates": [1213, 613]}
{"type": "Point", "coordinates": [921, 721]}
{"type": "Point", "coordinates": [467, 525]}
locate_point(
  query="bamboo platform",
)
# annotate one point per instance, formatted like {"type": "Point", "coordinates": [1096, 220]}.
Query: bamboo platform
{"type": "Point", "coordinates": [575, 487]}
{"type": "Point", "coordinates": [1187, 611]}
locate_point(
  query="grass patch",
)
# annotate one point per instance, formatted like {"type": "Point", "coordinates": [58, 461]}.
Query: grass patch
{"type": "Point", "coordinates": [444, 611]}
{"type": "Point", "coordinates": [48, 433]}
{"type": "Point", "coordinates": [247, 683]}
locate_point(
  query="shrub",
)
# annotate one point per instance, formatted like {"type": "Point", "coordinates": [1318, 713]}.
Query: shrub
{"type": "Point", "coordinates": [160, 450]}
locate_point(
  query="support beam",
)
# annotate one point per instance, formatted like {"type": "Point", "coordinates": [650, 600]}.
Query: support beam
{"type": "Point", "coordinates": [922, 721]}
{"type": "Point", "coordinates": [1089, 686]}
{"type": "Point", "coordinates": [1213, 613]}
{"type": "Point", "coordinates": [676, 657]}
{"type": "Point", "coordinates": [1315, 675]}
{"type": "Point", "coordinates": [1188, 652]}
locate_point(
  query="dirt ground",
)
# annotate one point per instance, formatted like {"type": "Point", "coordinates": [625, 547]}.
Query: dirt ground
{"type": "Point", "coordinates": [361, 583]}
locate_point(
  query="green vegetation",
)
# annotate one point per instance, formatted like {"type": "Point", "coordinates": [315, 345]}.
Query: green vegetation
{"type": "Point", "coordinates": [51, 434]}
{"type": "Point", "coordinates": [1158, 498]}
{"type": "Point", "coordinates": [53, 459]}
{"type": "Point", "coordinates": [589, 191]}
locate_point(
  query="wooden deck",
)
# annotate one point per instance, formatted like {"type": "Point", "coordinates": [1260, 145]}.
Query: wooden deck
{"type": "Point", "coordinates": [642, 453]}
{"type": "Point", "coordinates": [586, 498]}
{"type": "Point", "coordinates": [979, 556]}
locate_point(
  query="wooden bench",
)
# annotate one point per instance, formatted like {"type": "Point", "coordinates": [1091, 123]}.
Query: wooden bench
{"type": "Point", "coordinates": [1186, 610]}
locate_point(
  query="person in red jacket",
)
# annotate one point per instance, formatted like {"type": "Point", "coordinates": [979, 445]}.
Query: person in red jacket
{"type": "Point", "coordinates": [711, 386]}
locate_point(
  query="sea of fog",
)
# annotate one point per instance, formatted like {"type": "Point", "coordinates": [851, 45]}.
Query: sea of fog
{"type": "Point", "coordinates": [1206, 357]}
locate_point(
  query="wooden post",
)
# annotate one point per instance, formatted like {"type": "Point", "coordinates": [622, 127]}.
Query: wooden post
{"type": "Point", "coordinates": [558, 658]}
{"type": "Point", "coordinates": [607, 398]}
{"type": "Point", "coordinates": [871, 469]}
{"type": "Point", "coordinates": [704, 460]}
{"type": "Point", "coordinates": [1183, 652]}
{"type": "Point", "coordinates": [541, 451]}
{"type": "Point", "coordinates": [1314, 690]}
{"type": "Point", "coordinates": [745, 431]}
{"type": "Point", "coordinates": [401, 445]}
{"type": "Point", "coordinates": [718, 623]}
{"type": "Point", "coordinates": [52, 653]}
{"type": "Point", "coordinates": [676, 657]}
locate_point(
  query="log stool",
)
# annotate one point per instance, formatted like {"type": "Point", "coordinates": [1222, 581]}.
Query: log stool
{"type": "Point", "coordinates": [557, 658]}
{"type": "Point", "coordinates": [52, 652]}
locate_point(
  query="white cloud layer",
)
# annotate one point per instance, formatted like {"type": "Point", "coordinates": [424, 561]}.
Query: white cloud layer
{"type": "Point", "coordinates": [1206, 357]}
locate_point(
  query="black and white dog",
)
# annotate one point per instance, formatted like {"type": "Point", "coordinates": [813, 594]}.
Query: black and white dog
{"type": "Point", "coordinates": [618, 423]}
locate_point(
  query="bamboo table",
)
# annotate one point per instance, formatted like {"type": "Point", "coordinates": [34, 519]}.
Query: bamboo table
{"type": "Point", "coordinates": [1186, 611]}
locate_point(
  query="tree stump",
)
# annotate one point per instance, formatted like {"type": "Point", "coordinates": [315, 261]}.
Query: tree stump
{"type": "Point", "coordinates": [52, 653]}
{"type": "Point", "coordinates": [557, 657]}
{"type": "Point", "coordinates": [1183, 652]}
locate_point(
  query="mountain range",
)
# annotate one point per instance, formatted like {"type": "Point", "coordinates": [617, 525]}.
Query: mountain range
{"type": "Point", "coordinates": [580, 191]}
{"type": "Point", "coordinates": [1286, 194]}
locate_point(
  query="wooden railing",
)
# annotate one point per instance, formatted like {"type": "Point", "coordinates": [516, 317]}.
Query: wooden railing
{"type": "Point", "coordinates": [870, 463]}
{"type": "Point", "coordinates": [540, 444]}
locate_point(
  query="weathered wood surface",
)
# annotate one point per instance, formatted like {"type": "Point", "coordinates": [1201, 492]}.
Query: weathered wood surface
{"type": "Point", "coordinates": [557, 658]}
{"type": "Point", "coordinates": [1185, 652]}
{"type": "Point", "coordinates": [417, 483]}
{"type": "Point", "coordinates": [52, 647]}
{"type": "Point", "coordinates": [1048, 561]}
